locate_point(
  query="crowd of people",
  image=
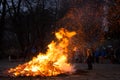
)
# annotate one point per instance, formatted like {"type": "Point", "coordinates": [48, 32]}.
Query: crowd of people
{"type": "Point", "coordinates": [100, 55]}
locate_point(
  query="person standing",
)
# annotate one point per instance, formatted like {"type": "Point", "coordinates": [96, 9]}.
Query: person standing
{"type": "Point", "coordinates": [89, 60]}
{"type": "Point", "coordinates": [97, 54]}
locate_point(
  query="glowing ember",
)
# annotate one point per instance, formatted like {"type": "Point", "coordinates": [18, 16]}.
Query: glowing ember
{"type": "Point", "coordinates": [52, 63]}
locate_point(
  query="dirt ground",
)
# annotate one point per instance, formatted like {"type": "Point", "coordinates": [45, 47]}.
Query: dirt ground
{"type": "Point", "coordinates": [99, 72]}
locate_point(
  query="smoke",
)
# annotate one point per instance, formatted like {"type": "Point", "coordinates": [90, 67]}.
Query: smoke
{"type": "Point", "coordinates": [87, 21]}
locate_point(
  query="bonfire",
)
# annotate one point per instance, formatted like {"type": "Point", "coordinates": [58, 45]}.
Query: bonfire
{"type": "Point", "coordinates": [53, 62]}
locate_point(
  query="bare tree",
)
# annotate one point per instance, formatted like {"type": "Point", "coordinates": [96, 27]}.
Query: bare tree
{"type": "Point", "coordinates": [114, 19]}
{"type": "Point", "coordinates": [2, 20]}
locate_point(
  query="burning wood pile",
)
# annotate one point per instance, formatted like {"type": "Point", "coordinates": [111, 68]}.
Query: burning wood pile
{"type": "Point", "coordinates": [51, 63]}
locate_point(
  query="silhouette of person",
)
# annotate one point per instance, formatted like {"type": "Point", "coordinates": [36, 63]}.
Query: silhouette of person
{"type": "Point", "coordinates": [89, 60]}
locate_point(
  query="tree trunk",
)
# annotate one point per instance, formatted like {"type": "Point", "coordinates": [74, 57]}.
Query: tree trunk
{"type": "Point", "coordinates": [2, 22]}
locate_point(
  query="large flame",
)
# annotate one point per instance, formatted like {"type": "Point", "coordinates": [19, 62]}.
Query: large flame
{"type": "Point", "coordinates": [54, 62]}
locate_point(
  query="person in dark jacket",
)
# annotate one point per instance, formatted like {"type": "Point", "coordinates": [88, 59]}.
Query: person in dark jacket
{"type": "Point", "coordinates": [89, 61]}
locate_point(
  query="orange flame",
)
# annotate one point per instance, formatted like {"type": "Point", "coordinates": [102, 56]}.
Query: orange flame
{"type": "Point", "coordinates": [52, 63]}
